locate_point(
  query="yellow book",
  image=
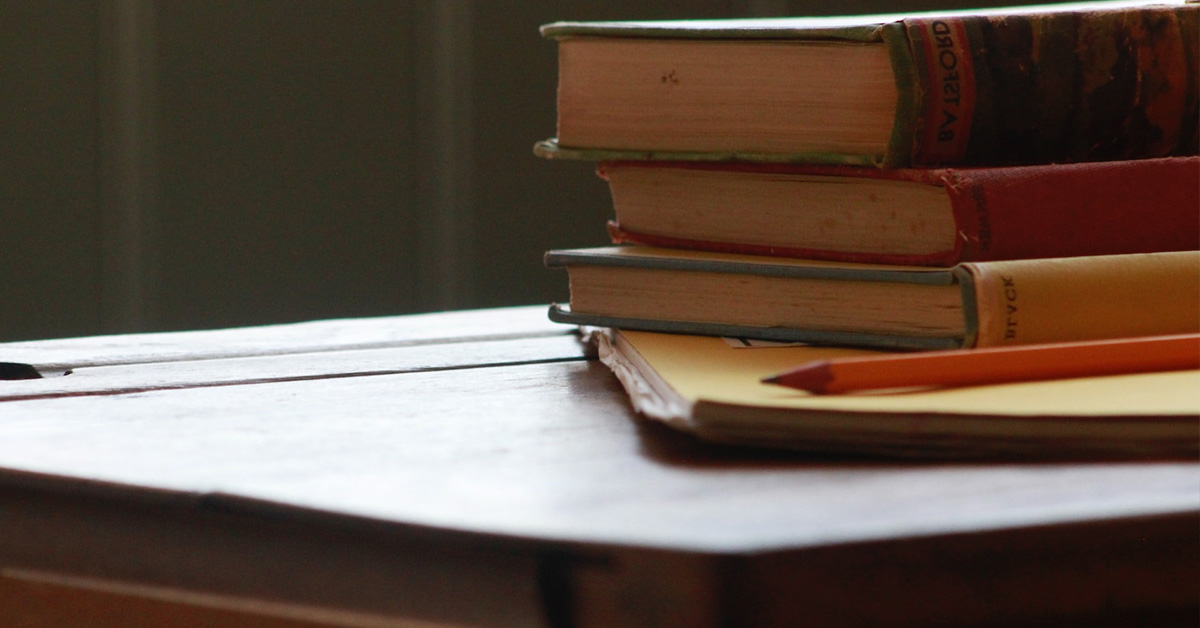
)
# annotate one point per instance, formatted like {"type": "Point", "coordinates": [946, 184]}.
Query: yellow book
{"type": "Point", "coordinates": [709, 387]}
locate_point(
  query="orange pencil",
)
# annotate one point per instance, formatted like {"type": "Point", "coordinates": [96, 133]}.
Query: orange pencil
{"type": "Point", "coordinates": [965, 367]}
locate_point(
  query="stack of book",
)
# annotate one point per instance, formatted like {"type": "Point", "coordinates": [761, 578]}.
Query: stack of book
{"type": "Point", "coordinates": [925, 181]}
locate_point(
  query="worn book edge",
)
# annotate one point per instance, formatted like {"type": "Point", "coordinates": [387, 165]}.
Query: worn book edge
{"type": "Point", "coordinates": [648, 393]}
{"type": "Point", "coordinates": [943, 112]}
{"type": "Point", "coordinates": [1003, 302]}
{"type": "Point", "coordinates": [551, 149]}
{"type": "Point", "coordinates": [852, 27]}
{"type": "Point", "coordinates": [700, 386]}
{"type": "Point", "coordinates": [563, 314]}
{"type": "Point", "coordinates": [1000, 213]}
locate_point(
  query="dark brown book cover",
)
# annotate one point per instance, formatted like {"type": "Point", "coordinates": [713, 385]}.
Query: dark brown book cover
{"type": "Point", "coordinates": [1010, 86]}
{"type": "Point", "coordinates": [1055, 86]}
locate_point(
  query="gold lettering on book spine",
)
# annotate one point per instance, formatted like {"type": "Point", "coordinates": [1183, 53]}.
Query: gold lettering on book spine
{"type": "Point", "coordinates": [1049, 87]}
{"type": "Point", "coordinates": [947, 76]}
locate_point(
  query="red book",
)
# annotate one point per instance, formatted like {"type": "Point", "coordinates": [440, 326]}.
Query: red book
{"type": "Point", "coordinates": [928, 217]}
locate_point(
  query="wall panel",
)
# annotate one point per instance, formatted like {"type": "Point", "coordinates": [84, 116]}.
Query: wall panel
{"type": "Point", "coordinates": [285, 164]}
{"type": "Point", "coordinates": [49, 213]}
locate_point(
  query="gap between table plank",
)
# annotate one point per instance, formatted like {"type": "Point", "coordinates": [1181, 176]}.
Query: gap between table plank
{"type": "Point", "coordinates": [142, 377]}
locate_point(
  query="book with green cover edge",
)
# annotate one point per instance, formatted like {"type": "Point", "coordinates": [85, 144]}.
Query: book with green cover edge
{"type": "Point", "coordinates": [550, 149]}
{"type": "Point", "coordinates": [642, 257]}
{"type": "Point", "coordinates": [997, 136]}
{"type": "Point", "coordinates": [971, 304]}
{"type": "Point", "coordinates": [563, 314]}
{"type": "Point", "coordinates": [847, 27]}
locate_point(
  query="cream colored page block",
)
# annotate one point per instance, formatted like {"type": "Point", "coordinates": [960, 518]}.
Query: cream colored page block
{"type": "Point", "coordinates": [710, 95]}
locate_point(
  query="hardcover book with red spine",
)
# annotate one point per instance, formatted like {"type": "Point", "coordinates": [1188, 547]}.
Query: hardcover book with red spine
{"type": "Point", "coordinates": [927, 217]}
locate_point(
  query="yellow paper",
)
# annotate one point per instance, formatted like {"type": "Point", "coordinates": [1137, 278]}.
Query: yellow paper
{"type": "Point", "coordinates": [700, 367]}
{"type": "Point", "coordinates": [706, 387]}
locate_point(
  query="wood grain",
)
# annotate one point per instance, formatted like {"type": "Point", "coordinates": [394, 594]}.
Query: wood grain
{"type": "Point", "coordinates": [546, 451]}
{"type": "Point", "coordinates": [41, 600]}
{"type": "Point", "coordinates": [308, 337]}
{"type": "Point", "coordinates": [146, 376]}
{"type": "Point", "coordinates": [397, 467]}
{"type": "Point", "coordinates": [217, 557]}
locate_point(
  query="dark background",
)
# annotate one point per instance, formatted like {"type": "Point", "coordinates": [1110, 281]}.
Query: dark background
{"type": "Point", "coordinates": [211, 163]}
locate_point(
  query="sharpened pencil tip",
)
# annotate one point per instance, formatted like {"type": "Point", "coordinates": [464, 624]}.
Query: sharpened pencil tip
{"type": "Point", "coordinates": [812, 377]}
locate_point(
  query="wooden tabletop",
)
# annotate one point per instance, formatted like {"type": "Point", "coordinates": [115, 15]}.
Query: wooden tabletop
{"type": "Point", "coordinates": [477, 468]}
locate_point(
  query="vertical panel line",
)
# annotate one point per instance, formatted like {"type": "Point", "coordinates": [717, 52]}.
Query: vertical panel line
{"type": "Point", "coordinates": [127, 164]}
{"type": "Point", "coordinates": [445, 197]}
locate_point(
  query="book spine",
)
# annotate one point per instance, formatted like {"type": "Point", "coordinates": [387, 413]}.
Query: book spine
{"type": "Point", "coordinates": [1053, 87]}
{"type": "Point", "coordinates": [1081, 298]}
{"type": "Point", "coordinates": [1095, 208]}
{"type": "Point", "coordinates": [1189, 30]}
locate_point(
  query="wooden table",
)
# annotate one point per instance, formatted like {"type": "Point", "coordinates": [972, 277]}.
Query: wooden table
{"type": "Point", "coordinates": [476, 468]}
